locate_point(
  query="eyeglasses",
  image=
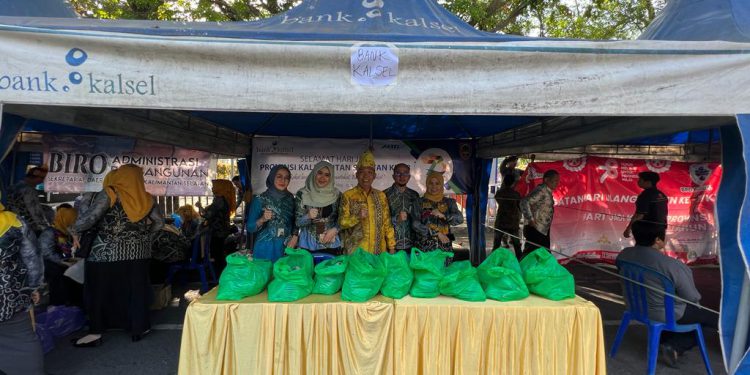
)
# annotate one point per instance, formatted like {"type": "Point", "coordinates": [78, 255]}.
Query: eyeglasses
{"type": "Point", "coordinates": [401, 175]}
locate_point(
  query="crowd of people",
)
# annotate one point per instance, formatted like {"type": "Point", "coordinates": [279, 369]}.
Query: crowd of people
{"type": "Point", "coordinates": [122, 234]}
{"type": "Point", "coordinates": [319, 217]}
{"type": "Point", "coordinates": [127, 243]}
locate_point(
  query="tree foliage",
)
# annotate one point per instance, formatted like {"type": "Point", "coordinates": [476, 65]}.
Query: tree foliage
{"type": "Point", "coordinates": [587, 19]}
{"type": "Point", "coordinates": [182, 10]}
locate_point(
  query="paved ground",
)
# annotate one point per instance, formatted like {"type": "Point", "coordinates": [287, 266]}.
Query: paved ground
{"type": "Point", "coordinates": [159, 352]}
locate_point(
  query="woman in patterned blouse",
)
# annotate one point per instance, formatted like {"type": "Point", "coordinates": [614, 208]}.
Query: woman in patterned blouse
{"type": "Point", "coordinates": [117, 288]}
{"type": "Point", "coordinates": [317, 211]}
{"type": "Point", "coordinates": [21, 275]}
{"type": "Point", "coordinates": [437, 214]}
{"type": "Point", "coordinates": [271, 216]}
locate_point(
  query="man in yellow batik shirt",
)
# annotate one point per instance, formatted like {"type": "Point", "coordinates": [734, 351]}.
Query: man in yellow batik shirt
{"type": "Point", "coordinates": [364, 216]}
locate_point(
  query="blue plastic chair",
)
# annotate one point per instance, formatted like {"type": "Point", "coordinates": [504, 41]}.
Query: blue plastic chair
{"type": "Point", "coordinates": [200, 260]}
{"type": "Point", "coordinates": [637, 304]}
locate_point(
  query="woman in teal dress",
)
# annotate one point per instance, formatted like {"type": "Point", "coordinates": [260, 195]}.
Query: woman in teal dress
{"type": "Point", "coordinates": [317, 211]}
{"type": "Point", "coordinates": [271, 217]}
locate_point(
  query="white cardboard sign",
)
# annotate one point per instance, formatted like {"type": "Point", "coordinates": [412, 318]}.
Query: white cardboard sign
{"type": "Point", "coordinates": [374, 66]}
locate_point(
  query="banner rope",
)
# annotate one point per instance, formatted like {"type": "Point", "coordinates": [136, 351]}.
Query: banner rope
{"type": "Point", "coordinates": [607, 214]}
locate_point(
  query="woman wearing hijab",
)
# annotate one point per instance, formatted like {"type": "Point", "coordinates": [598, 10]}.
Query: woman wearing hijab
{"type": "Point", "coordinates": [317, 206]}
{"type": "Point", "coordinates": [21, 275]}
{"type": "Point", "coordinates": [56, 244]}
{"type": "Point", "coordinates": [271, 216]}
{"type": "Point", "coordinates": [117, 288]}
{"type": "Point", "coordinates": [437, 214]}
{"type": "Point", "coordinates": [217, 216]}
{"type": "Point", "coordinates": [190, 221]}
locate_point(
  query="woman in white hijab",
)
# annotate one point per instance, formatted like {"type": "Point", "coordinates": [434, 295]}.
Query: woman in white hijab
{"type": "Point", "coordinates": [317, 211]}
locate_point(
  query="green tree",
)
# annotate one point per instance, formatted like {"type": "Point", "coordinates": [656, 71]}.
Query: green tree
{"type": "Point", "coordinates": [587, 19]}
{"type": "Point", "coordinates": [182, 10]}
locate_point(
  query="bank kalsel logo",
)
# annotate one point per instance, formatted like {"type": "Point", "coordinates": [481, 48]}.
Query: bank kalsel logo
{"type": "Point", "coordinates": [94, 83]}
{"type": "Point", "coordinates": [372, 9]}
{"type": "Point", "coordinates": [119, 84]}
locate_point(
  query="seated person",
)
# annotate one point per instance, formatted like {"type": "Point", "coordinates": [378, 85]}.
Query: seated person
{"type": "Point", "coordinates": [647, 252]}
{"type": "Point", "coordinates": [169, 246]}
{"type": "Point", "coordinates": [189, 221]}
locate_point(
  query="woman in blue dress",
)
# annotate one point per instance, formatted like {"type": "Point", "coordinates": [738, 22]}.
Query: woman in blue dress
{"type": "Point", "coordinates": [271, 217]}
{"type": "Point", "coordinates": [317, 211]}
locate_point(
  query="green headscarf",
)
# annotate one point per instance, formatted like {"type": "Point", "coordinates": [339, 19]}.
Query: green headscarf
{"type": "Point", "coordinates": [314, 196]}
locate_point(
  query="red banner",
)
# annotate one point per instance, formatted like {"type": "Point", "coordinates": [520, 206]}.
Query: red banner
{"type": "Point", "coordinates": [596, 199]}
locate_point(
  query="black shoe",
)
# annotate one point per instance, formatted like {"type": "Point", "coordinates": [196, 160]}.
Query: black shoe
{"type": "Point", "coordinates": [90, 344]}
{"type": "Point", "coordinates": [669, 355]}
{"type": "Point", "coordinates": [140, 336]}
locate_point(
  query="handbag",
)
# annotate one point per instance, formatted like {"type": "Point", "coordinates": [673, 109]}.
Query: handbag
{"type": "Point", "coordinates": [86, 242]}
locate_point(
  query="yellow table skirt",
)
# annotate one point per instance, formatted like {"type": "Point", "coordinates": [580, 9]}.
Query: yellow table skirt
{"type": "Point", "coordinates": [325, 335]}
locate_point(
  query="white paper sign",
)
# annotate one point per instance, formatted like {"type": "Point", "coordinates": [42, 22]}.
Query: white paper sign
{"type": "Point", "coordinates": [374, 66]}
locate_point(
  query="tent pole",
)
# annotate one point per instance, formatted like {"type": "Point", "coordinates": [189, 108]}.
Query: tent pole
{"type": "Point", "coordinates": [739, 341]}
{"type": "Point", "coordinates": [371, 142]}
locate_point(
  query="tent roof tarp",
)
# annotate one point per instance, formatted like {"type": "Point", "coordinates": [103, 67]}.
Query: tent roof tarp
{"type": "Point", "coordinates": [692, 20]}
{"type": "Point", "coordinates": [395, 21]}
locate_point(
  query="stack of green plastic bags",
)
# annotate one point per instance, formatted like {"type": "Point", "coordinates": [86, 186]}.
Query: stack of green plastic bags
{"type": "Point", "coordinates": [243, 277]}
{"type": "Point", "coordinates": [429, 267]}
{"type": "Point", "coordinates": [500, 276]}
{"type": "Point", "coordinates": [460, 281]}
{"type": "Point", "coordinates": [292, 276]}
{"type": "Point", "coordinates": [398, 275]}
{"type": "Point", "coordinates": [364, 277]}
{"type": "Point", "coordinates": [329, 275]}
{"type": "Point", "coordinates": [545, 277]}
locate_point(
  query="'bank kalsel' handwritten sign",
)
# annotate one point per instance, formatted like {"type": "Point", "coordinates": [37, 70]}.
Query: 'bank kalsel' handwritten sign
{"type": "Point", "coordinates": [374, 66]}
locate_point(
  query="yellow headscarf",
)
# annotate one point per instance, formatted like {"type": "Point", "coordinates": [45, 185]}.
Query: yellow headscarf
{"type": "Point", "coordinates": [225, 189]}
{"type": "Point", "coordinates": [127, 183]}
{"type": "Point", "coordinates": [65, 217]}
{"type": "Point", "coordinates": [7, 220]}
{"type": "Point", "coordinates": [439, 196]}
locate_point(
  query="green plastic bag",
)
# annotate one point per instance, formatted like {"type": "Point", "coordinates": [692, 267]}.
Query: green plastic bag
{"type": "Point", "coordinates": [292, 276]}
{"type": "Point", "coordinates": [428, 269]}
{"type": "Point", "coordinates": [461, 281]}
{"type": "Point", "coordinates": [364, 276]}
{"type": "Point", "coordinates": [329, 275]}
{"type": "Point", "coordinates": [545, 277]}
{"type": "Point", "coordinates": [398, 276]}
{"type": "Point", "coordinates": [243, 277]}
{"type": "Point", "coordinates": [500, 276]}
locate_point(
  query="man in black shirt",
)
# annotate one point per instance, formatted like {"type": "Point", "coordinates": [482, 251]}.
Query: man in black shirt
{"type": "Point", "coordinates": [651, 205]}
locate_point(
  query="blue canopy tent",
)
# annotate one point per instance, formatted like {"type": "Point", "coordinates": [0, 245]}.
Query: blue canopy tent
{"type": "Point", "coordinates": [727, 20]}
{"type": "Point", "coordinates": [216, 86]}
